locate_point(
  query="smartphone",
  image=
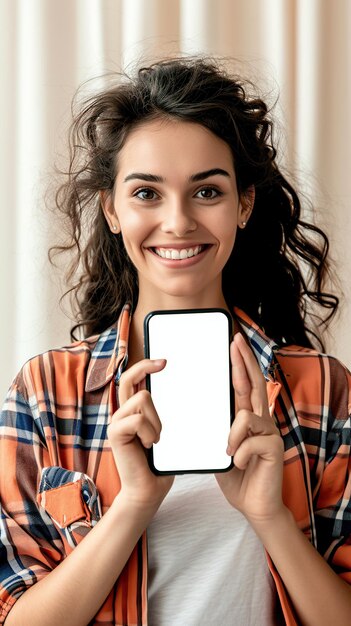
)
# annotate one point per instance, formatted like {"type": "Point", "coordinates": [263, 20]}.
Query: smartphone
{"type": "Point", "coordinates": [193, 394]}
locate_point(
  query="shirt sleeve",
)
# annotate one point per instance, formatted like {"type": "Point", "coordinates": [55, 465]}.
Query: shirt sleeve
{"type": "Point", "coordinates": [30, 545]}
{"type": "Point", "coordinates": [333, 499]}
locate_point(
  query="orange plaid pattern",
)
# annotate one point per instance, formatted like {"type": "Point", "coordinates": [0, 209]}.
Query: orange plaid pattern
{"type": "Point", "coordinates": [58, 476]}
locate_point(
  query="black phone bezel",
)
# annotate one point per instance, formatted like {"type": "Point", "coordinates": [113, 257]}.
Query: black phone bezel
{"type": "Point", "coordinates": [150, 455]}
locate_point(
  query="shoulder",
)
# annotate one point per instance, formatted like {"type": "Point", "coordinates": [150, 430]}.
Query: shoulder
{"type": "Point", "coordinates": [48, 392]}
{"type": "Point", "coordinates": [53, 368]}
{"type": "Point", "coordinates": [317, 378]}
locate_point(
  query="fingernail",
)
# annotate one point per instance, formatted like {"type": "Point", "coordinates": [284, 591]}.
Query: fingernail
{"type": "Point", "coordinates": [159, 361]}
{"type": "Point", "coordinates": [230, 451]}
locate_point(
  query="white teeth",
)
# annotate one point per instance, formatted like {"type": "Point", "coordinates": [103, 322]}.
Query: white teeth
{"type": "Point", "coordinates": [184, 253]}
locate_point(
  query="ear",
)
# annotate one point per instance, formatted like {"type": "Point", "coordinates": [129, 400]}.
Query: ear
{"type": "Point", "coordinates": [107, 205]}
{"type": "Point", "coordinates": [247, 201]}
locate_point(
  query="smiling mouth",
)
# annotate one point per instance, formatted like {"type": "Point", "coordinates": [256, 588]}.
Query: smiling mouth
{"type": "Point", "coordinates": [179, 255]}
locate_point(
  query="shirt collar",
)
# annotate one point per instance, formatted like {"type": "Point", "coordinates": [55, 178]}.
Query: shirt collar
{"type": "Point", "coordinates": [263, 347]}
{"type": "Point", "coordinates": [109, 355]}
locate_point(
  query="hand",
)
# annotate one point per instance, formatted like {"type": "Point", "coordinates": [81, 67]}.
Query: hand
{"type": "Point", "coordinates": [254, 485]}
{"type": "Point", "coordinates": [135, 427]}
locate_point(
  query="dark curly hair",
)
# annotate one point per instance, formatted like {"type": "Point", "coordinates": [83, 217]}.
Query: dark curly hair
{"type": "Point", "coordinates": [278, 266]}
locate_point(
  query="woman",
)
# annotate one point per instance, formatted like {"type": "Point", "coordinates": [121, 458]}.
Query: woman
{"type": "Point", "coordinates": [175, 201]}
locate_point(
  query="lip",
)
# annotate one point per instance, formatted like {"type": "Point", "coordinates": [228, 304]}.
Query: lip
{"type": "Point", "coordinates": [180, 263]}
{"type": "Point", "coordinates": [181, 246]}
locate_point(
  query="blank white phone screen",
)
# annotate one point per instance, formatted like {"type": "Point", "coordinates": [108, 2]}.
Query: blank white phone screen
{"type": "Point", "coordinates": [192, 393]}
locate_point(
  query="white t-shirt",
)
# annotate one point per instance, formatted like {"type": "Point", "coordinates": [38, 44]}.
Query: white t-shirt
{"type": "Point", "coordinates": [206, 565]}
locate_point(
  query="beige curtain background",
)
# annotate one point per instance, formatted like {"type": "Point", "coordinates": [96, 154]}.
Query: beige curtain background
{"type": "Point", "coordinates": [298, 50]}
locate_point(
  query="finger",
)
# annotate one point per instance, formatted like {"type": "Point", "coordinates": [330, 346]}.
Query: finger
{"type": "Point", "coordinates": [269, 448]}
{"type": "Point", "coordinates": [258, 394]}
{"type": "Point", "coordinates": [131, 378]}
{"type": "Point", "coordinates": [122, 432]}
{"type": "Point", "coordinates": [241, 381]}
{"type": "Point", "coordinates": [141, 403]}
{"type": "Point", "coordinates": [246, 425]}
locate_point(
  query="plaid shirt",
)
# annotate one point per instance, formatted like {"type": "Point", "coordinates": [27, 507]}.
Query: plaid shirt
{"type": "Point", "coordinates": [58, 476]}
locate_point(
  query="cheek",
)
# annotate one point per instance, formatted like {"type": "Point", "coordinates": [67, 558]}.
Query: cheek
{"type": "Point", "coordinates": [227, 233]}
{"type": "Point", "coordinates": [227, 242]}
{"type": "Point", "coordinates": [133, 230]}
{"type": "Point", "coordinates": [225, 222]}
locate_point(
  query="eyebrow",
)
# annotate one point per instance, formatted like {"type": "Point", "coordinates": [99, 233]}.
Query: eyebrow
{"type": "Point", "coordinates": [217, 171]}
{"type": "Point", "coordinates": [152, 178]}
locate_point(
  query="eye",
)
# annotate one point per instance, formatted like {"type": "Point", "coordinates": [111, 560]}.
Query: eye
{"type": "Point", "coordinates": [145, 193]}
{"type": "Point", "coordinates": [208, 193]}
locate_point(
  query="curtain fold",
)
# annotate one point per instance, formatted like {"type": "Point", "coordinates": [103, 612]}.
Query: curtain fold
{"type": "Point", "coordinates": [296, 50]}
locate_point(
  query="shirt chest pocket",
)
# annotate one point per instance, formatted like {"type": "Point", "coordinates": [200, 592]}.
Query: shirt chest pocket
{"type": "Point", "coordinates": [72, 502]}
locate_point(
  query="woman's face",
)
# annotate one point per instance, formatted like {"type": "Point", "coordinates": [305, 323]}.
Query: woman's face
{"type": "Point", "coordinates": [177, 206]}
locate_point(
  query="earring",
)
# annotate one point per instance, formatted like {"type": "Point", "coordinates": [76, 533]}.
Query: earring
{"type": "Point", "coordinates": [114, 227]}
{"type": "Point", "coordinates": [243, 224]}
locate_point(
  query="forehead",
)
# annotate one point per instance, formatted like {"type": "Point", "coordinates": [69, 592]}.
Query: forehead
{"type": "Point", "coordinates": [171, 143]}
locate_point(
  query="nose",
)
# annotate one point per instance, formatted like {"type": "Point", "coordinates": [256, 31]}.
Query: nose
{"type": "Point", "coordinates": [178, 218]}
